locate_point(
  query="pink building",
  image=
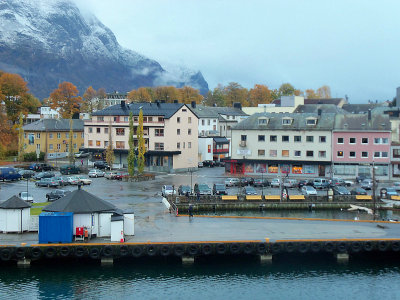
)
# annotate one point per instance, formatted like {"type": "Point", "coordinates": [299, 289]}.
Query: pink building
{"type": "Point", "coordinates": [358, 141]}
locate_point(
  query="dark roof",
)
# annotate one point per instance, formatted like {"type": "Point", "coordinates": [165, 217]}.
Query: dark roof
{"type": "Point", "coordinates": [13, 203]}
{"type": "Point", "coordinates": [221, 140]}
{"type": "Point", "coordinates": [359, 108]}
{"type": "Point", "coordinates": [334, 101]}
{"type": "Point", "coordinates": [54, 125]}
{"type": "Point", "coordinates": [166, 110]}
{"type": "Point", "coordinates": [202, 111]}
{"type": "Point", "coordinates": [357, 122]}
{"type": "Point", "coordinates": [80, 201]}
{"type": "Point", "coordinates": [325, 108]}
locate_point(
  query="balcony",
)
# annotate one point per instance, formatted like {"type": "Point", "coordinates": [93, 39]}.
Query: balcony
{"type": "Point", "coordinates": [215, 150]}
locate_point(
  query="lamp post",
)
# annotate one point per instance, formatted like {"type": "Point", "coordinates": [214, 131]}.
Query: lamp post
{"type": "Point", "coordinates": [191, 182]}
{"type": "Point", "coordinates": [262, 184]}
{"type": "Point", "coordinates": [373, 190]}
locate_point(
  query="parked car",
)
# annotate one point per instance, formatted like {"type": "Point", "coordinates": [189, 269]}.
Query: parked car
{"type": "Point", "coordinates": [69, 169]}
{"type": "Point", "coordinates": [49, 182]}
{"type": "Point", "coordinates": [390, 191]}
{"type": "Point", "coordinates": [84, 179]}
{"type": "Point", "coordinates": [232, 181]}
{"type": "Point", "coordinates": [42, 175]}
{"type": "Point", "coordinates": [246, 181]}
{"type": "Point", "coordinates": [120, 175]}
{"type": "Point", "coordinates": [110, 175]}
{"type": "Point", "coordinates": [275, 182]}
{"type": "Point", "coordinates": [61, 180]}
{"type": "Point", "coordinates": [308, 190]}
{"type": "Point", "coordinates": [183, 189]}
{"type": "Point", "coordinates": [261, 182]}
{"type": "Point", "coordinates": [320, 183]}
{"type": "Point", "coordinates": [57, 194]}
{"type": "Point", "coordinates": [361, 178]}
{"type": "Point", "coordinates": [40, 167]}
{"type": "Point", "coordinates": [96, 173]}
{"type": "Point", "coordinates": [202, 189]}
{"type": "Point", "coordinates": [168, 190]}
{"type": "Point", "coordinates": [340, 190]}
{"type": "Point", "coordinates": [337, 181]}
{"type": "Point", "coordinates": [219, 163]}
{"type": "Point", "coordinates": [200, 164]}
{"type": "Point", "coordinates": [26, 173]}
{"type": "Point", "coordinates": [208, 163]}
{"type": "Point", "coordinates": [367, 184]}
{"type": "Point", "coordinates": [101, 164]}
{"type": "Point", "coordinates": [304, 182]}
{"type": "Point", "coordinates": [81, 154]}
{"type": "Point", "coordinates": [249, 190]}
{"type": "Point", "coordinates": [72, 180]}
{"type": "Point", "coordinates": [219, 189]}
{"type": "Point", "coordinates": [358, 191]}
{"type": "Point", "coordinates": [26, 196]}
{"type": "Point", "coordinates": [7, 173]}
{"type": "Point", "coordinates": [290, 183]}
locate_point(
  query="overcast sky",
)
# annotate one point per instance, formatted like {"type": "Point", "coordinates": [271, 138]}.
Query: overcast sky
{"type": "Point", "coordinates": [352, 46]}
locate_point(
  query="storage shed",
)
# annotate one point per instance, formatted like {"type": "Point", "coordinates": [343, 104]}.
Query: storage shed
{"type": "Point", "coordinates": [89, 211]}
{"type": "Point", "coordinates": [15, 215]}
{"type": "Point", "coordinates": [55, 227]}
{"type": "Point", "coordinates": [117, 228]}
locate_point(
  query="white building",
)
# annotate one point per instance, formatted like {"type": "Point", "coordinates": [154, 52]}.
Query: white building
{"type": "Point", "coordinates": [15, 215]}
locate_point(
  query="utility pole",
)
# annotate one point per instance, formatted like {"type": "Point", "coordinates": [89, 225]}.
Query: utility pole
{"type": "Point", "coordinates": [373, 190]}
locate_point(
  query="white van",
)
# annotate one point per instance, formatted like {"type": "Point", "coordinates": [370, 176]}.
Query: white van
{"type": "Point", "coordinates": [290, 183]}
{"type": "Point", "coordinates": [168, 190]}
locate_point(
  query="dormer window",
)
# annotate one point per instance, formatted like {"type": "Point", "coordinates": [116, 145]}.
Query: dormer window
{"type": "Point", "coordinates": [287, 121]}
{"type": "Point", "coordinates": [262, 121]}
{"type": "Point", "coordinates": [311, 121]}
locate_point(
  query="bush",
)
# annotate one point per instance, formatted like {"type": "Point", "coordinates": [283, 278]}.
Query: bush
{"type": "Point", "coordinates": [31, 156]}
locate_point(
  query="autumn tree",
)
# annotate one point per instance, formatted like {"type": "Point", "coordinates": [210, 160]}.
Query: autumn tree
{"type": "Point", "coordinates": [259, 94]}
{"type": "Point", "coordinates": [21, 138]}
{"type": "Point", "coordinates": [110, 151]}
{"type": "Point", "coordinates": [8, 136]}
{"type": "Point", "coordinates": [66, 98]}
{"type": "Point", "coordinates": [286, 89]}
{"type": "Point", "coordinates": [189, 94]}
{"type": "Point", "coordinates": [88, 100]}
{"type": "Point", "coordinates": [311, 94]}
{"type": "Point", "coordinates": [101, 95]}
{"type": "Point", "coordinates": [131, 153]}
{"type": "Point", "coordinates": [141, 145]}
{"type": "Point", "coordinates": [234, 92]}
{"type": "Point", "coordinates": [324, 92]}
{"type": "Point", "coordinates": [140, 95]}
{"type": "Point", "coordinates": [166, 93]}
{"type": "Point", "coordinates": [71, 154]}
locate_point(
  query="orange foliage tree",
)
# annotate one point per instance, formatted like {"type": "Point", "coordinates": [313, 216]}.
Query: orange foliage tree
{"type": "Point", "coordinates": [66, 98]}
{"type": "Point", "coordinates": [142, 94]}
{"type": "Point", "coordinates": [189, 94]}
{"type": "Point", "coordinates": [260, 94]}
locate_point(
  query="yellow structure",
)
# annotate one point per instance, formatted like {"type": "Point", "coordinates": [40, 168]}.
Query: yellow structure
{"type": "Point", "coordinates": [52, 135]}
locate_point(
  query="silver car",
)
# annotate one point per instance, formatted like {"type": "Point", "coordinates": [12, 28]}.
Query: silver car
{"type": "Point", "coordinates": [367, 184]}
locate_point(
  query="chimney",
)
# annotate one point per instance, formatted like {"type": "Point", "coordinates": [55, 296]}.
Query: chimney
{"type": "Point", "coordinates": [237, 105]}
{"type": "Point", "coordinates": [369, 115]}
{"type": "Point", "coordinates": [122, 103]}
{"type": "Point", "coordinates": [319, 112]}
{"type": "Point", "coordinates": [193, 104]}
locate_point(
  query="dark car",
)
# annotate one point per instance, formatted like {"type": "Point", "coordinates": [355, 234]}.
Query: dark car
{"type": "Point", "coordinates": [69, 169]}
{"type": "Point", "coordinates": [246, 181]}
{"type": "Point", "coordinates": [340, 190]}
{"type": "Point", "coordinates": [40, 167]}
{"type": "Point", "coordinates": [49, 182]}
{"type": "Point", "coordinates": [209, 163]}
{"type": "Point", "coordinates": [249, 190]}
{"type": "Point", "coordinates": [183, 189]}
{"type": "Point", "coordinates": [7, 173]}
{"type": "Point", "coordinates": [61, 180]}
{"type": "Point", "coordinates": [57, 194]}
{"type": "Point", "coordinates": [26, 173]}
{"type": "Point", "coordinates": [219, 189]}
{"type": "Point", "coordinates": [303, 182]}
{"type": "Point", "coordinates": [361, 178]}
{"type": "Point", "coordinates": [202, 189]}
{"type": "Point", "coordinates": [358, 191]}
{"type": "Point", "coordinates": [100, 164]}
{"type": "Point", "coordinates": [42, 175]}
{"type": "Point", "coordinates": [261, 182]}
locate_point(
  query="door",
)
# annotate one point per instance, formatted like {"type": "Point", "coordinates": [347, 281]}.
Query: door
{"type": "Point", "coordinates": [321, 170]}
{"type": "Point", "coordinates": [104, 224]}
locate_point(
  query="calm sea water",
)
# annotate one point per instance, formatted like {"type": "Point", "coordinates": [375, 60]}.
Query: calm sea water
{"type": "Point", "coordinates": [287, 279]}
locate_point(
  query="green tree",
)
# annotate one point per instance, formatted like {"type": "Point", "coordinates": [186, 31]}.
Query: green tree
{"type": "Point", "coordinates": [286, 89]}
{"type": "Point", "coordinates": [141, 146]}
{"type": "Point", "coordinates": [131, 154]}
{"type": "Point", "coordinates": [20, 138]}
{"type": "Point", "coordinates": [71, 154]}
{"type": "Point", "coordinates": [110, 151]}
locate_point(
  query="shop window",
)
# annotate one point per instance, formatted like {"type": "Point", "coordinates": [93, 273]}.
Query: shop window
{"type": "Point", "coordinates": [273, 169]}
{"type": "Point", "coordinates": [297, 169]}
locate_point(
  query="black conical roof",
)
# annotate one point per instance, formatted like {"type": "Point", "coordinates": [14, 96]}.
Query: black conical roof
{"type": "Point", "coordinates": [13, 203]}
{"type": "Point", "coordinates": [80, 201]}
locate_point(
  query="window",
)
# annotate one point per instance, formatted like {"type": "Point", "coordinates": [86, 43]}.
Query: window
{"type": "Point", "coordinates": [105, 144]}
{"type": "Point", "coordinates": [159, 132]}
{"type": "Point", "coordinates": [189, 120]}
{"type": "Point", "coordinates": [178, 131]}
{"type": "Point", "coordinates": [322, 139]}
{"type": "Point", "coordinates": [184, 109]}
{"type": "Point", "coordinates": [286, 121]}
{"type": "Point", "coordinates": [115, 119]}
{"type": "Point", "coordinates": [82, 134]}
{"type": "Point", "coordinates": [189, 145]}
{"type": "Point", "coordinates": [120, 131]}
{"type": "Point", "coordinates": [75, 135]}
{"type": "Point", "coordinates": [309, 139]}
{"type": "Point", "coordinates": [385, 140]}
{"type": "Point", "coordinates": [50, 146]}
{"type": "Point", "coordinates": [340, 154]}
{"type": "Point", "coordinates": [202, 122]}
{"type": "Point", "coordinates": [311, 121]}
{"type": "Point", "coordinates": [67, 135]}
{"type": "Point", "coordinates": [90, 142]}
{"type": "Point", "coordinates": [340, 140]}
{"type": "Point", "coordinates": [98, 130]}
{"type": "Point", "coordinates": [74, 146]}
{"type": "Point", "coordinates": [377, 140]}
{"type": "Point", "coordinates": [310, 153]}
{"type": "Point", "coordinates": [273, 153]}
{"type": "Point", "coordinates": [158, 146]}
{"type": "Point", "coordinates": [262, 121]}
{"type": "Point", "coordinates": [285, 153]}
{"type": "Point", "coordinates": [59, 135]}
{"type": "Point", "coordinates": [396, 153]}
{"type": "Point", "coordinates": [321, 153]}
{"type": "Point", "coordinates": [189, 131]}
{"type": "Point", "coordinates": [352, 154]}
{"type": "Point", "coordinates": [377, 154]}
{"type": "Point", "coordinates": [178, 119]}
{"type": "Point", "coordinates": [384, 154]}
{"type": "Point", "coordinates": [285, 138]}
{"type": "Point", "coordinates": [120, 144]}
{"type": "Point", "coordinates": [59, 145]}
{"type": "Point", "coordinates": [273, 138]}
{"type": "Point", "coordinates": [297, 138]}
{"type": "Point", "coordinates": [126, 119]}
{"type": "Point", "coordinates": [90, 130]}
{"type": "Point", "coordinates": [135, 119]}
{"type": "Point", "coordinates": [261, 152]}
{"type": "Point", "coordinates": [364, 140]}
{"type": "Point", "coordinates": [100, 119]}
{"type": "Point", "coordinates": [50, 135]}
{"type": "Point", "coordinates": [149, 119]}
{"type": "Point", "coordinates": [352, 140]}
{"type": "Point", "coordinates": [297, 153]}
{"type": "Point", "coordinates": [38, 135]}
{"type": "Point", "coordinates": [178, 145]}
{"type": "Point", "coordinates": [261, 138]}
{"type": "Point", "coordinates": [243, 138]}
{"type": "Point", "coordinates": [364, 154]}
{"type": "Point", "coordinates": [106, 130]}
{"type": "Point", "coordinates": [97, 143]}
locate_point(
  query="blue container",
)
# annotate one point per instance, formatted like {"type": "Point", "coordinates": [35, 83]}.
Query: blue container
{"type": "Point", "coordinates": [55, 227]}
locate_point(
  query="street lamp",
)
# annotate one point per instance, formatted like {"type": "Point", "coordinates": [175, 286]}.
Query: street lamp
{"type": "Point", "coordinates": [373, 190]}
{"type": "Point", "coordinates": [191, 182]}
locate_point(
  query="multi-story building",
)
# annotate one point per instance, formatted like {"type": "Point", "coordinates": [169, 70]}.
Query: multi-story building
{"type": "Point", "coordinates": [46, 112]}
{"type": "Point", "coordinates": [53, 136]}
{"type": "Point", "coordinates": [170, 133]}
{"type": "Point", "coordinates": [287, 143]}
{"type": "Point", "coordinates": [360, 141]}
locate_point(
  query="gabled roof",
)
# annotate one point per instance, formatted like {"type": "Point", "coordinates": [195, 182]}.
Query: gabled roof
{"type": "Point", "coordinates": [54, 125]}
{"type": "Point", "coordinates": [166, 110]}
{"type": "Point", "coordinates": [14, 202]}
{"type": "Point", "coordinates": [80, 202]}
{"type": "Point", "coordinates": [324, 122]}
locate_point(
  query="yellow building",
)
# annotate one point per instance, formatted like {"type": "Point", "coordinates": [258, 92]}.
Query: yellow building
{"type": "Point", "coordinates": [52, 136]}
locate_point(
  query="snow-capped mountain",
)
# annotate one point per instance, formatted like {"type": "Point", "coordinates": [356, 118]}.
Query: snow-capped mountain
{"type": "Point", "coordinates": [50, 41]}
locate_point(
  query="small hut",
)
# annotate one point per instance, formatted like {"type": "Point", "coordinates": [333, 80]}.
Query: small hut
{"type": "Point", "coordinates": [89, 211]}
{"type": "Point", "coordinates": [15, 215]}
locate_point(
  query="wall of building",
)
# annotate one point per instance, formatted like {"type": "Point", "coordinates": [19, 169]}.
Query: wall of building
{"type": "Point", "coordinates": [51, 142]}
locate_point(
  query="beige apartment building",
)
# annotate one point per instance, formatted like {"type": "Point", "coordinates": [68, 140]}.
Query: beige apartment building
{"type": "Point", "coordinates": [170, 133]}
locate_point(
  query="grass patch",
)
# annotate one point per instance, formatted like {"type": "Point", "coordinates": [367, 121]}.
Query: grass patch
{"type": "Point", "coordinates": [35, 211]}
{"type": "Point", "coordinates": [40, 204]}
